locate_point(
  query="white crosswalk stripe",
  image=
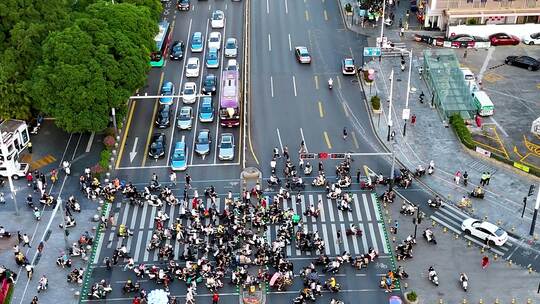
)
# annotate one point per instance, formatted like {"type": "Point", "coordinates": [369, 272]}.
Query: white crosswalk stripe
{"type": "Point", "coordinates": [365, 216]}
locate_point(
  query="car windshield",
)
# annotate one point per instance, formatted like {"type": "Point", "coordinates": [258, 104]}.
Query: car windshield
{"type": "Point", "coordinates": [212, 56]}
{"type": "Point", "coordinates": [184, 114]}
{"type": "Point", "coordinates": [209, 81]}
{"type": "Point", "coordinates": [177, 48]}
{"type": "Point", "coordinates": [348, 62]}
{"type": "Point", "coordinates": [188, 90]}
{"type": "Point", "coordinates": [214, 39]}
{"type": "Point", "coordinates": [226, 143]}
{"type": "Point", "coordinates": [165, 114]}
{"type": "Point", "coordinates": [230, 45]}
{"type": "Point", "coordinates": [303, 52]}
{"type": "Point", "coordinates": [217, 16]}
{"type": "Point", "coordinates": [196, 39]}
{"type": "Point", "coordinates": [192, 66]}
{"type": "Point", "coordinates": [206, 108]}
{"type": "Point", "coordinates": [499, 232]}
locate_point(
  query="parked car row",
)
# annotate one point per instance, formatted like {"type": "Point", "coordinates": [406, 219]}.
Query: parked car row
{"type": "Point", "coordinates": [470, 41]}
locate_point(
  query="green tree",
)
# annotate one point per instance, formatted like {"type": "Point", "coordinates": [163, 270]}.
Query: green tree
{"type": "Point", "coordinates": [24, 25]}
{"type": "Point", "coordinates": [94, 65]}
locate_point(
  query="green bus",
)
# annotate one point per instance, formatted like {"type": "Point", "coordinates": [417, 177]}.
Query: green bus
{"type": "Point", "coordinates": [162, 39]}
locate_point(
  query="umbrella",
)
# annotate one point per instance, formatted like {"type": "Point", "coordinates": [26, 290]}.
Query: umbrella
{"type": "Point", "coordinates": [395, 300]}
{"type": "Point", "coordinates": [274, 278]}
{"type": "Point", "coordinates": [158, 296]}
{"type": "Point", "coordinates": [296, 218]}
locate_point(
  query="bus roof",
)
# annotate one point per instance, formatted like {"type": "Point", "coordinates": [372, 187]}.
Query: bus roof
{"type": "Point", "coordinates": [229, 93]}
{"type": "Point", "coordinates": [160, 37]}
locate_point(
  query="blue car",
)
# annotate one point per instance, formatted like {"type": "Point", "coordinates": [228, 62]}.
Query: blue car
{"type": "Point", "coordinates": [179, 158]}
{"type": "Point", "coordinates": [212, 59]}
{"type": "Point", "coordinates": [197, 42]}
{"type": "Point", "coordinates": [206, 113]}
{"type": "Point", "coordinates": [167, 90]}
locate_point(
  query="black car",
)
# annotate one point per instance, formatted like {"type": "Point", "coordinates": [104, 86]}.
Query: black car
{"type": "Point", "coordinates": [525, 62]}
{"type": "Point", "coordinates": [209, 84]}
{"type": "Point", "coordinates": [177, 50]}
{"type": "Point", "coordinates": [183, 5]}
{"type": "Point", "coordinates": [157, 146]}
{"type": "Point", "coordinates": [163, 117]}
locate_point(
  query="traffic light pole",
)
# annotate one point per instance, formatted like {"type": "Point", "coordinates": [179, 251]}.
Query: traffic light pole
{"type": "Point", "coordinates": [536, 206]}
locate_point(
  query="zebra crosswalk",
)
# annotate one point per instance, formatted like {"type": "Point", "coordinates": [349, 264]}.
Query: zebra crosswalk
{"type": "Point", "coordinates": [451, 218]}
{"type": "Point", "coordinates": [365, 215]}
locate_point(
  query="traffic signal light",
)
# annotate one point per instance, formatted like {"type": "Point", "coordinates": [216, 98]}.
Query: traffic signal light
{"type": "Point", "coordinates": [531, 190]}
{"type": "Point", "coordinates": [323, 155]}
{"type": "Point", "coordinates": [307, 155]}
{"type": "Point", "coordinates": [337, 155]}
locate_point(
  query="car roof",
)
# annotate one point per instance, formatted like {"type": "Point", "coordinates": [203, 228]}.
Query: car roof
{"type": "Point", "coordinates": [197, 34]}
{"type": "Point", "coordinates": [348, 60]}
{"type": "Point", "coordinates": [167, 85]}
{"type": "Point", "coordinates": [193, 60]}
{"type": "Point", "coordinates": [184, 109]}
{"type": "Point", "coordinates": [227, 136]}
{"type": "Point", "coordinates": [203, 131]}
{"type": "Point", "coordinates": [157, 135]}
{"type": "Point", "coordinates": [190, 84]}
{"type": "Point", "coordinates": [218, 12]}
{"type": "Point", "coordinates": [212, 51]}
{"type": "Point", "coordinates": [212, 76]}
{"type": "Point", "coordinates": [215, 34]}
{"type": "Point", "coordinates": [231, 39]}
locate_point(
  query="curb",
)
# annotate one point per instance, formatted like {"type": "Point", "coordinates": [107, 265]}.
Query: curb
{"type": "Point", "coordinates": [97, 239]}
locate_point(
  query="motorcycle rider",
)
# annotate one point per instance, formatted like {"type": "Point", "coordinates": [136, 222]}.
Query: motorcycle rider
{"type": "Point", "coordinates": [354, 230]}
{"type": "Point", "coordinates": [273, 164]}
{"type": "Point", "coordinates": [308, 168]}
{"type": "Point", "coordinates": [432, 275]}
{"type": "Point", "coordinates": [43, 284]}
{"type": "Point", "coordinates": [330, 83]}
{"type": "Point", "coordinates": [464, 281]}
{"type": "Point", "coordinates": [332, 284]}
{"type": "Point", "coordinates": [428, 234]}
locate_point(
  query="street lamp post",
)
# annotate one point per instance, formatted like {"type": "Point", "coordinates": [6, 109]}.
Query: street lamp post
{"type": "Point", "coordinates": [63, 214]}
{"type": "Point", "coordinates": [536, 206]}
{"type": "Point", "coordinates": [390, 105]}
{"type": "Point", "coordinates": [406, 111]}
{"type": "Point", "coordinates": [382, 22]}
{"type": "Point", "coordinates": [391, 183]}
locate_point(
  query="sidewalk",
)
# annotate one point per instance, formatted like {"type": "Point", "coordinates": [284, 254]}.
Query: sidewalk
{"type": "Point", "coordinates": [449, 258]}
{"type": "Point", "coordinates": [429, 139]}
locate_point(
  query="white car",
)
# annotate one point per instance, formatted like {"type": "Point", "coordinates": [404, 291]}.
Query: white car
{"type": "Point", "coordinates": [214, 40]}
{"type": "Point", "coordinates": [192, 67]}
{"type": "Point", "coordinates": [532, 39]}
{"type": "Point", "coordinates": [231, 48]}
{"type": "Point", "coordinates": [218, 19]}
{"type": "Point", "coordinates": [189, 93]}
{"type": "Point", "coordinates": [232, 65]}
{"type": "Point", "coordinates": [485, 231]}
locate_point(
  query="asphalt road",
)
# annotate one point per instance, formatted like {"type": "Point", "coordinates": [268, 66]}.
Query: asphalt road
{"type": "Point", "coordinates": [133, 157]}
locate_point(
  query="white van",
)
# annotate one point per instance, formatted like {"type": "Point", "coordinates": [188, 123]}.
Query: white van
{"type": "Point", "coordinates": [483, 103]}
{"type": "Point", "coordinates": [470, 80]}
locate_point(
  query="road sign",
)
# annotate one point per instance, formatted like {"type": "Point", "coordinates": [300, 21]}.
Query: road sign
{"type": "Point", "coordinates": [372, 51]}
{"type": "Point", "coordinates": [337, 155]}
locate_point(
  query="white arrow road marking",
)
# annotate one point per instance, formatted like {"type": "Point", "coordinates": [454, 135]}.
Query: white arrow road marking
{"type": "Point", "coordinates": [133, 152]}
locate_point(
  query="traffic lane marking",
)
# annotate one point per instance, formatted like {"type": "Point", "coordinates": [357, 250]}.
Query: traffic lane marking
{"type": "Point", "coordinates": [321, 110]}
{"type": "Point", "coordinates": [500, 253]}
{"type": "Point", "coordinates": [307, 15]}
{"type": "Point", "coordinates": [316, 79]}
{"type": "Point", "coordinates": [356, 145]}
{"type": "Point", "coordinates": [124, 138]}
{"type": "Point", "coordinates": [327, 140]}
{"type": "Point", "coordinates": [151, 129]}
{"type": "Point", "coordinates": [325, 15]}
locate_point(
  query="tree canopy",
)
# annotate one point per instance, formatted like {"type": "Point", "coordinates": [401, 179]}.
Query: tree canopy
{"type": "Point", "coordinates": [73, 61]}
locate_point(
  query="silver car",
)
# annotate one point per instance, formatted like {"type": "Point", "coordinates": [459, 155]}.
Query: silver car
{"type": "Point", "coordinates": [231, 48]}
{"type": "Point", "coordinates": [185, 119]}
{"type": "Point", "coordinates": [226, 146]}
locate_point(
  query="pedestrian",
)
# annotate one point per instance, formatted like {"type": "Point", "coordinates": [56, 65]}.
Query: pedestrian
{"type": "Point", "coordinates": [54, 176]}
{"type": "Point", "coordinates": [172, 177]}
{"type": "Point", "coordinates": [112, 221]}
{"type": "Point", "coordinates": [358, 173]}
{"type": "Point", "coordinates": [397, 2]}
{"type": "Point", "coordinates": [19, 237]}
{"type": "Point", "coordinates": [188, 181]}
{"type": "Point", "coordinates": [276, 153]}
{"type": "Point", "coordinates": [286, 152]}
{"type": "Point", "coordinates": [301, 163]}
{"type": "Point", "coordinates": [402, 32]}
{"type": "Point", "coordinates": [413, 119]}
{"type": "Point", "coordinates": [34, 300]}
{"type": "Point", "coordinates": [321, 167]}
{"type": "Point", "coordinates": [457, 176]}
{"type": "Point", "coordinates": [396, 226]}
{"type": "Point", "coordinates": [485, 262]}
{"type": "Point", "coordinates": [465, 54]}
{"type": "Point", "coordinates": [40, 247]}
{"type": "Point", "coordinates": [29, 147]}
{"type": "Point", "coordinates": [215, 298]}
{"type": "Point", "coordinates": [29, 271]}
{"type": "Point", "coordinates": [16, 248]}
{"type": "Point", "coordinates": [345, 133]}
{"type": "Point", "coordinates": [488, 177]}
{"type": "Point", "coordinates": [465, 178]}
{"type": "Point", "coordinates": [402, 64]}
{"type": "Point", "coordinates": [26, 241]}
{"type": "Point", "coordinates": [338, 237]}
{"type": "Point", "coordinates": [483, 178]}
{"type": "Point", "coordinates": [129, 265]}
{"type": "Point", "coordinates": [107, 263]}
{"type": "Point", "coordinates": [154, 177]}
{"type": "Point", "coordinates": [2, 198]}
{"type": "Point", "coordinates": [302, 147]}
